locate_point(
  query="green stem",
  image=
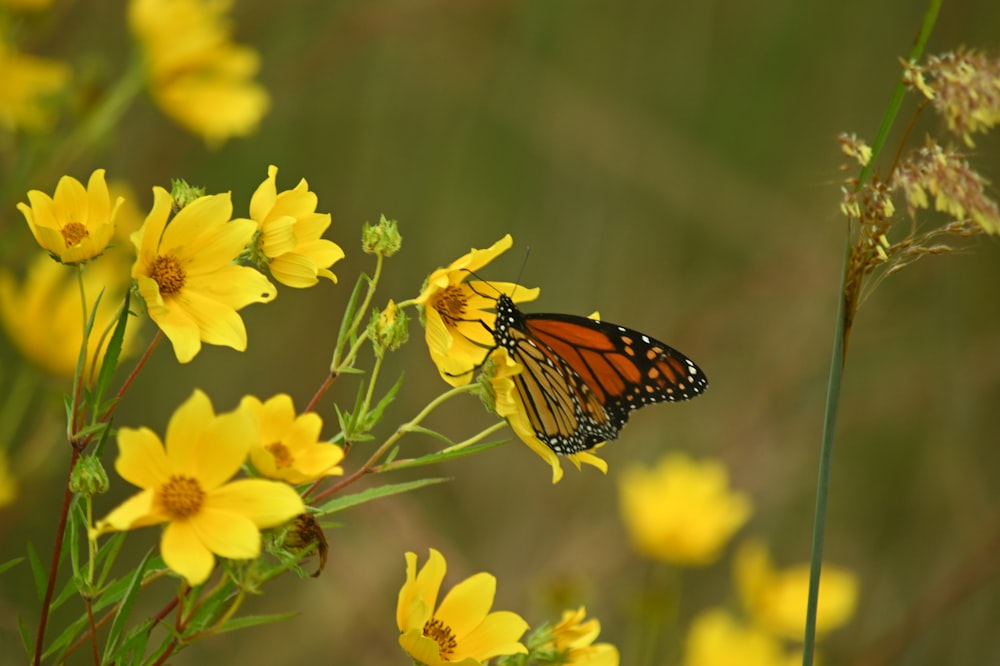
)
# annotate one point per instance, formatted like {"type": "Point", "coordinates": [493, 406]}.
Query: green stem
{"type": "Point", "coordinates": [393, 438]}
{"type": "Point", "coordinates": [838, 359]}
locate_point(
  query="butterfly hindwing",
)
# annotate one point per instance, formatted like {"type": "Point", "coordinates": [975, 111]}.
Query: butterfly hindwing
{"type": "Point", "coordinates": [582, 377]}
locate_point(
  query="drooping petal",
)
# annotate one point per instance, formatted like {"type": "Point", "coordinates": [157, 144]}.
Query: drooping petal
{"type": "Point", "coordinates": [294, 270]}
{"type": "Point", "coordinates": [234, 286]}
{"type": "Point", "coordinates": [266, 503]}
{"type": "Point", "coordinates": [179, 327]}
{"type": "Point", "coordinates": [218, 324]}
{"type": "Point", "coordinates": [184, 552]}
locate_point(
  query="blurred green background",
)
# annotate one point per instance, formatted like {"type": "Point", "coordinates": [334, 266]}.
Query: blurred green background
{"type": "Point", "coordinates": [672, 164]}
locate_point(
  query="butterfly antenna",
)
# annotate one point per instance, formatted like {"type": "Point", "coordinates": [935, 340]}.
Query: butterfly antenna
{"type": "Point", "coordinates": [524, 264]}
{"type": "Point", "coordinates": [474, 290]}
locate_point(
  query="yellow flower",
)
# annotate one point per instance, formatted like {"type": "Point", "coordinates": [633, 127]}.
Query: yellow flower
{"type": "Point", "coordinates": [75, 224]}
{"type": "Point", "coordinates": [456, 311]}
{"type": "Point", "coordinates": [681, 511]}
{"type": "Point", "coordinates": [288, 447]}
{"type": "Point", "coordinates": [44, 318]}
{"type": "Point", "coordinates": [185, 273]}
{"type": "Point", "coordinates": [291, 233]}
{"type": "Point", "coordinates": [8, 484]}
{"type": "Point", "coordinates": [26, 83]}
{"type": "Point", "coordinates": [776, 600]}
{"type": "Point", "coordinates": [573, 639]}
{"type": "Point", "coordinates": [197, 75]}
{"type": "Point", "coordinates": [507, 403]}
{"type": "Point", "coordinates": [184, 484]}
{"type": "Point", "coordinates": [461, 630]}
{"type": "Point", "coordinates": [716, 638]}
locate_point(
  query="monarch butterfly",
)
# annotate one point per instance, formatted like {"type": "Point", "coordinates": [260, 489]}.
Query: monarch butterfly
{"type": "Point", "coordinates": [582, 377]}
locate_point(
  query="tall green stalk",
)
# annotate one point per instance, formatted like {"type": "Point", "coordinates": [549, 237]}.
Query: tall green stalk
{"type": "Point", "coordinates": [838, 356]}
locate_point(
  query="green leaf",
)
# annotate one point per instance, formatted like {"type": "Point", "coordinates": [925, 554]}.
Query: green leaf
{"type": "Point", "coordinates": [10, 564]}
{"type": "Point", "coordinates": [121, 616]}
{"type": "Point", "coordinates": [345, 323]}
{"type": "Point", "coordinates": [441, 456]}
{"type": "Point", "coordinates": [346, 502]}
{"type": "Point", "coordinates": [134, 644]}
{"type": "Point", "coordinates": [38, 571]}
{"type": "Point", "coordinates": [421, 430]}
{"type": "Point", "coordinates": [69, 591]}
{"type": "Point", "coordinates": [26, 637]}
{"type": "Point", "coordinates": [112, 354]}
{"type": "Point", "coordinates": [256, 620]}
{"type": "Point", "coordinates": [375, 415]}
{"type": "Point", "coordinates": [107, 554]}
{"type": "Point", "coordinates": [109, 596]}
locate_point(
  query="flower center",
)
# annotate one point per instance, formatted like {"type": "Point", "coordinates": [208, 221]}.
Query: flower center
{"type": "Point", "coordinates": [74, 232]}
{"type": "Point", "coordinates": [282, 456]}
{"type": "Point", "coordinates": [450, 304]}
{"type": "Point", "coordinates": [168, 274]}
{"type": "Point", "coordinates": [181, 497]}
{"type": "Point", "coordinates": [441, 634]}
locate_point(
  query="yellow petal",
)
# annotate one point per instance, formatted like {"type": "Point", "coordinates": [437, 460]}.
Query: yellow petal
{"type": "Point", "coordinates": [420, 586]}
{"type": "Point", "coordinates": [141, 459]}
{"type": "Point", "coordinates": [218, 324]}
{"type": "Point", "coordinates": [466, 604]}
{"type": "Point", "coordinates": [263, 197]}
{"type": "Point", "coordinates": [184, 552]}
{"type": "Point", "coordinates": [137, 511]}
{"type": "Point", "coordinates": [147, 238]}
{"type": "Point", "coordinates": [226, 533]}
{"type": "Point", "coordinates": [234, 286]}
{"type": "Point", "coordinates": [194, 224]}
{"type": "Point", "coordinates": [266, 503]}
{"type": "Point", "coordinates": [499, 633]}
{"type": "Point", "coordinates": [183, 439]}
{"type": "Point", "coordinates": [222, 447]}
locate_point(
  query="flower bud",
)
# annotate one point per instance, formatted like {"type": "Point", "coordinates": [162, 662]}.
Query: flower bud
{"type": "Point", "coordinates": [88, 477]}
{"type": "Point", "coordinates": [183, 194]}
{"type": "Point", "coordinates": [389, 329]}
{"type": "Point", "coordinates": [382, 238]}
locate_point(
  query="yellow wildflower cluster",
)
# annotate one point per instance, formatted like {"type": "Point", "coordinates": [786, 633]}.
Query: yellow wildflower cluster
{"type": "Point", "coordinates": [186, 479]}
{"type": "Point", "coordinates": [196, 74]}
{"type": "Point", "coordinates": [185, 268]}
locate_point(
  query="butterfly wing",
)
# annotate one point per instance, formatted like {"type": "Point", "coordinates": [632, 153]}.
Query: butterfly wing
{"type": "Point", "coordinates": [582, 377]}
{"type": "Point", "coordinates": [564, 412]}
{"type": "Point", "coordinates": [626, 369]}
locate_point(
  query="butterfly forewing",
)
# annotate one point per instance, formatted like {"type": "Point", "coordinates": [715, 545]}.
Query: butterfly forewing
{"type": "Point", "coordinates": [583, 377]}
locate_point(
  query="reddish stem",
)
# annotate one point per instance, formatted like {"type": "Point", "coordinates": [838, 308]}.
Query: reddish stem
{"type": "Point", "coordinates": [93, 632]}
{"type": "Point", "coordinates": [132, 375]}
{"type": "Point", "coordinates": [320, 391]}
{"type": "Point", "coordinates": [54, 568]}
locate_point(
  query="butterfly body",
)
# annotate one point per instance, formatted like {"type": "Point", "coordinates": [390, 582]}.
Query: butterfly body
{"type": "Point", "coordinates": [582, 377]}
